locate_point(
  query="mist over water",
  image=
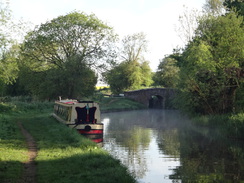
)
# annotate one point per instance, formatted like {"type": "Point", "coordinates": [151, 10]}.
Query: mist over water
{"type": "Point", "coordinates": [163, 146]}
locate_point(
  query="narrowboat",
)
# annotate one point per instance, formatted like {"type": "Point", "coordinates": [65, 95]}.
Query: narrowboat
{"type": "Point", "coordinates": [84, 116]}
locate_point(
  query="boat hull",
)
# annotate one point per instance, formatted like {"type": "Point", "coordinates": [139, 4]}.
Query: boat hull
{"type": "Point", "coordinates": [88, 129]}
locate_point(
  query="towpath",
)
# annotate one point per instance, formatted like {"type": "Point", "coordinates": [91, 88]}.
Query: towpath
{"type": "Point", "coordinates": [29, 175]}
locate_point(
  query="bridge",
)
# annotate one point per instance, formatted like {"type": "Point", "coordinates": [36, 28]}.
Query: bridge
{"type": "Point", "coordinates": [153, 97]}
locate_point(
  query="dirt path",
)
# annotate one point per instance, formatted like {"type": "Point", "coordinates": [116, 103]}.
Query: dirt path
{"type": "Point", "coordinates": [29, 175]}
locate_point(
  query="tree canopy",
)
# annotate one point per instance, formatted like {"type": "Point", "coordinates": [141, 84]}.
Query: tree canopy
{"type": "Point", "coordinates": [8, 46]}
{"type": "Point", "coordinates": [235, 5]}
{"type": "Point", "coordinates": [134, 71]}
{"type": "Point", "coordinates": [75, 34]}
{"type": "Point", "coordinates": [167, 74]}
{"type": "Point", "coordinates": [212, 70]}
{"type": "Point", "coordinates": [63, 53]}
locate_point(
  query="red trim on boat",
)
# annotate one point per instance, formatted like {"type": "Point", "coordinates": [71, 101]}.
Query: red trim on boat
{"type": "Point", "coordinates": [83, 131]}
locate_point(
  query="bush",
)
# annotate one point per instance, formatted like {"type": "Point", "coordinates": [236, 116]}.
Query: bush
{"type": "Point", "coordinates": [4, 107]}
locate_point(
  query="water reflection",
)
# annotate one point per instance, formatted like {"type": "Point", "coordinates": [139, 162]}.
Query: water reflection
{"type": "Point", "coordinates": [163, 146]}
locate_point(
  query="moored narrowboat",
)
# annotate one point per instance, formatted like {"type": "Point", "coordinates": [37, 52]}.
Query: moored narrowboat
{"type": "Point", "coordinates": [84, 116]}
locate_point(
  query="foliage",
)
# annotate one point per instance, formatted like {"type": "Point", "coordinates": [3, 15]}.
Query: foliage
{"type": "Point", "coordinates": [128, 76]}
{"type": "Point", "coordinates": [213, 65]}
{"type": "Point", "coordinates": [78, 35]}
{"type": "Point", "coordinates": [214, 7]}
{"type": "Point", "coordinates": [167, 73]}
{"type": "Point", "coordinates": [236, 5]}
{"type": "Point", "coordinates": [73, 82]}
{"type": "Point", "coordinates": [8, 45]}
{"type": "Point", "coordinates": [61, 54]}
{"type": "Point", "coordinates": [133, 72]}
{"type": "Point", "coordinates": [230, 125]}
{"type": "Point", "coordinates": [4, 108]}
{"type": "Point", "coordinates": [118, 104]}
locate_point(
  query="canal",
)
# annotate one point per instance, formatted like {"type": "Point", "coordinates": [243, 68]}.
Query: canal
{"type": "Point", "coordinates": [163, 146]}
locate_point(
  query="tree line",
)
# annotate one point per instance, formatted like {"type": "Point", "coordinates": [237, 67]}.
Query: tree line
{"type": "Point", "coordinates": [209, 70]}
{"type": "Point", "coordinates": [67, 55]}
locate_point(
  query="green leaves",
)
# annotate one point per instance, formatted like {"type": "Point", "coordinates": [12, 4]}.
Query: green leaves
{"type": "Point", "coordinates": [133, 72]}
{"type": "Point", "coordinates": [213, 61]}
{"type": "Point", "coordinates": [73, 34]}
{"type": "Point", "coordinates": [167, 74]}
{"type": "Point", "coordinates": [128, 75]}
{"type": "Point", "coordinates": [63, 53]}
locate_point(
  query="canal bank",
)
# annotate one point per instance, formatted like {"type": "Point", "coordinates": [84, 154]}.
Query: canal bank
{"type": "Point", "coordinates": [63, 155]}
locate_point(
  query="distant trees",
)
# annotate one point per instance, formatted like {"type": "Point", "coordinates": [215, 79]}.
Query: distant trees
{"type": "Point", "coordinates": [134, 71]}
{"type": "Point", "coordinates": [60, 56]}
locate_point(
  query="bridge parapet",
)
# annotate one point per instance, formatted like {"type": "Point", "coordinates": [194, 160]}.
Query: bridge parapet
{"type": "Point", "coordinates": [145, 96]}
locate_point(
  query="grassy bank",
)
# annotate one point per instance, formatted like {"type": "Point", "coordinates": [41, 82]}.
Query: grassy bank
{"type": "Point", "coordinates": [63, 154]}
{"type": "Point", "coordinates": [230, 125]}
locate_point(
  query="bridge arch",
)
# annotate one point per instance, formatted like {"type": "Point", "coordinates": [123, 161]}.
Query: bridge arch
{"type": "Point", "coordinates": [156, 101]}
{"type": "Point", "coordinates": [153, 97]}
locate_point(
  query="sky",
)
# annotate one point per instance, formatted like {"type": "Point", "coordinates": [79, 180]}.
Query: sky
{"type": "Point", "coordinates": [157, 19]}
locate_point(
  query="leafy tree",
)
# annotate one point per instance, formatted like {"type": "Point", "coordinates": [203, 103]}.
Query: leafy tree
{"type": "Point", "coordinates": [167, 73]}
{"type": "Point", "coordinates": [133, 72]}
{"type": "Point", "coordinates": [213, 65]}
{"type": "Point", "coordinates": [8, 65]}
{"type": "Point", "coordinates": [118, 78]}
{"type": "Point", "coordinates": [8, 46]}
{"type": "Point", "coordinates": [146, 74]}
{"type": "Point", "coordinates": [236, 5]}
{"type": "Point", "coordinates": [75, 81]}
{"type": "Point", "coordinates": [69, 47]}
{"type": "Point", "coordinates": [54, 42]}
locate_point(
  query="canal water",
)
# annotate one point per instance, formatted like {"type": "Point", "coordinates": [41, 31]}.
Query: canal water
{"type": "Point", "coordinates": [160, 146]}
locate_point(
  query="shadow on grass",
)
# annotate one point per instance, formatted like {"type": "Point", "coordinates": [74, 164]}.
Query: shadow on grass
{"type": "Point", "coordinates": [90, 168]}
{"type": "Point", "coordinates": [10, 171]}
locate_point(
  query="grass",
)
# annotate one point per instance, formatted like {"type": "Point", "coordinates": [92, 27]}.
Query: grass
{"type": "Point", "coordinates": [63, 154]}
{"type": "Point", "coordinates": [12, 150]}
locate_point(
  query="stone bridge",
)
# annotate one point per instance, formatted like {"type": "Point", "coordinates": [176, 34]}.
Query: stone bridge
{"type": "Point", "coordinates": [153, 97]}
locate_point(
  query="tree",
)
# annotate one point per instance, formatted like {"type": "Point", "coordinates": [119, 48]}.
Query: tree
{"type": "Point", "coordinates": [8, 46]}
{"type": "Point", "coordinates": [236, 5]}
{"type": "Point", "coordinates": [213, 65]}
{"type": "Point", "coordinates": [167, 73]}
{"type": "Point", "coordinates": [188, 23]}
{"type": "Point", "coordinates": [117, 78]}
{"type": "Point", "coordinates": [214, 7]}
{"type": "Point", "coordinates": [54, 42]}
{"type": "Point", "coordinates": [71, 46]}
{"type": "Point", "coordinates": [133, 47]}
{"type": "Point", "coordinates": [133, 72]}
{"type": "Point", "coordinates": [77, 80]}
